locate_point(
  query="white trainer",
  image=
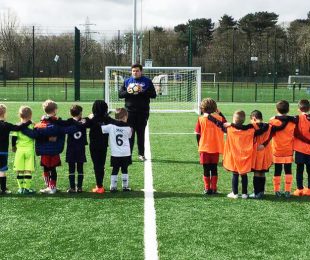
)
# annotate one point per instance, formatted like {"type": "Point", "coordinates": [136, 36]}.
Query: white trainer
{"type": "Point", "coordinates": [244, 196]}
{"type": "Point", "coordinates": [232, 195]}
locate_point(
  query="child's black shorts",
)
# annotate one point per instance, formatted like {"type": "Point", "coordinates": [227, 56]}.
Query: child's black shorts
{"type": "Point", "coordinates": [120, 161]}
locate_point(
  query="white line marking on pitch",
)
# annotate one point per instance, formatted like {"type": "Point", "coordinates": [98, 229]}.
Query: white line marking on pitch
{"type": "Point", "coordinates": [150, 237]}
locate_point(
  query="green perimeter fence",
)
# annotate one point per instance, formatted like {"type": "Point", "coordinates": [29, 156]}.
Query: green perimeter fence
{"type": "Point", "coordinates": [89, 91]}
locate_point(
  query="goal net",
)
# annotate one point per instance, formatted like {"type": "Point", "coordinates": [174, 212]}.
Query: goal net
{"type": "Point", "coordinates": [178, 88]}
{"type": "Point", "coordinates": [295, 81]}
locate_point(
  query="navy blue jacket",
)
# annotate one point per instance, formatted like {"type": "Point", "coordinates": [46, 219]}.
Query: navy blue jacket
{"type": "Point", "coordinates": [48, 127]}
{"type": "Point", "coordinates": [138, 103]}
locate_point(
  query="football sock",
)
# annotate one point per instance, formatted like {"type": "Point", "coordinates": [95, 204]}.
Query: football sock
{"type": "Point", "coordinates": [114, 181]}
{"type": "Point", "coordinates": [72, 180]}
{"type": "Point", "coordinates": [27, 181]}
{"type": "Point", "coordinates": [276, 183]}
{"type": "Point", "coordinates": [20, 180]}
{"type": "Point", "coordinates": [3, 183]}
{"type": "Point", "coordinates": [263, 184]}
{"type": "Point", "coordinates": [80, 179]}
{"type": "Point", "coordinates": [299, 176]}
{"type": "Point", "coordinates": [125, 180]}
{"type": "Point", "coordinates": [46, 178]}
{"type": "Point", "coordinates": [234, 183]}
{"type": "Point", "coordinates": [256, 184]}
{"type": "Point", "coordinates": [214, 177]}
{"type": "Point", "coordinates": [206, 181]}
{"type": "Point", "coordinates": [308, 172]}
{"type": "Point", "coordinates": [214, 183]}
{"type": "Point", "coordinates": [288, 182]}
{"type": "Point", "coordinates": [244, 181]}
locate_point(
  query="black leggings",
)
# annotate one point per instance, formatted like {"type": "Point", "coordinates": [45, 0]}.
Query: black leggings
{"type": "Point", "coordinates": [210, 169]}
{"type": "Point", "coordinates": [299, 175]}
{"type": "Point", "coordinates": [278, 168]}
{"type": "Point", "coordinates": [98, 157]}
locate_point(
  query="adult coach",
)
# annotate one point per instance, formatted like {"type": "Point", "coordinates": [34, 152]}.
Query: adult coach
{"type": "Point", "coordinates": [138, 105]}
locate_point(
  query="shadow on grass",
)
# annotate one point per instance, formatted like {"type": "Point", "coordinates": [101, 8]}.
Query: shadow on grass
{"type": "Point", "coordinates": [139, 194]}
{"type": "Point", "coordinates": [174, 161]}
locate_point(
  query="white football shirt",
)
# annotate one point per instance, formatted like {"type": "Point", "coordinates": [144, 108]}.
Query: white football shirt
{"type": "Point", "coordinates": [119, 139]}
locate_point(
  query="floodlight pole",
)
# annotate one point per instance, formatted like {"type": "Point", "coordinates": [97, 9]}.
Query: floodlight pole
{"type": "Point", "coordinates": [134, 33]}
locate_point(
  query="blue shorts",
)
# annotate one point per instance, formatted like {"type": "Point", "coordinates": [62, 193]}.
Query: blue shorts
{"type": "Point", "coordinates": [3, 162]}
{"type": "Point", "coordinates": [302, 158]}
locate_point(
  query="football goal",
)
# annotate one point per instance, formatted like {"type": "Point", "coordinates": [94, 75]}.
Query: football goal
{"type": "Point", "coordinates": [299, 82]}
{"type": "Point", "coordinates": [178, 88]}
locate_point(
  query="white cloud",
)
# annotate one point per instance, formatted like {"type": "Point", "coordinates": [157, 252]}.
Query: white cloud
{"type": "Point", "coordinates": [117, 14]}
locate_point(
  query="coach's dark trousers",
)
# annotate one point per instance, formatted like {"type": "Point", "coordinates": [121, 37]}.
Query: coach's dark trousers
{"type": "Point", "coordinates": [138, 122]}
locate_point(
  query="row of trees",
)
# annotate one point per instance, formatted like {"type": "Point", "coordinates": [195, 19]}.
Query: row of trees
{"type": "Point", "coordinates": [255, 47]}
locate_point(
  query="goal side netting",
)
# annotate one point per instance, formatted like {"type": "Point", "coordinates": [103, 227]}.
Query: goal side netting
{"type": "Point", "coordinates": [178, 88]}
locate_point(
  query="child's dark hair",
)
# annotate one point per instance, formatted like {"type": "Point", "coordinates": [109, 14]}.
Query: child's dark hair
{"type": "Point", "coordinates": [208, 105]}
{"type": "Point", "coordinates": [257, 114]}
{"type": "Point", "coordinates": [120, 113]}
{"type": "Point", "coordinates": [49, 106]}
{"type": "Point", "coordinates": [283, 107]}
{"type": "Point", "coordinates": [304, 105]}
{"type": "Point", "coordinates": [25, 112]}
{"type": "Point", "coordinates": [100, 108]}
{"type": "Point", "coordinates": [137, 65]}
{"type": "Point", "coordinates": [240, 117]}
{"type": "Point", "coordinates": [76, 110]}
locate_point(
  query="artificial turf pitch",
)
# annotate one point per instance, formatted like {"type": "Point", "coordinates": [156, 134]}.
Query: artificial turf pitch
{"type": "Point", "coordinates": [189, 224]}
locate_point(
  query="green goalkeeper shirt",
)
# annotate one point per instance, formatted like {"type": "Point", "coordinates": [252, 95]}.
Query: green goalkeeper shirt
{"type": "Point", "coordinates": [24, 142]}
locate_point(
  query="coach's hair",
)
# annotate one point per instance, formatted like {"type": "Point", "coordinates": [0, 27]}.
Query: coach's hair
{"type": "Point", "coordinates": [25, 112]}
{"type": "Point", "coordinates": [283, 107]}
{"type": "Point", "coordinates": [76, 110]}
{"type": "Point", "coordinates": [257, 114]}
{"type": "Point", "coordinates": [120, 113]}
{"type": "Point", "coordinates": [304, 105]}
{"type": "Point", "coordinates": [137, 65]}
{"type": "Point", "coordinates": [208, 105]}
{"type": "Point", "coordinates": [49, 106]}
{"type": "Point", "coordinates": [240, 117]}
{"type": "Point", "coordinates": [2, 109]}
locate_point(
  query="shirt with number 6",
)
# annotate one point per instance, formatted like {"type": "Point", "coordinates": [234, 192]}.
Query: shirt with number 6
{"type": "Point", "coordinates": [119, 139]}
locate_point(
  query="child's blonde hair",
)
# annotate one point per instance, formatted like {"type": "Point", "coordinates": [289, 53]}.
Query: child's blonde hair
{"type": "Point", "coordinates": [25, 112]}
{"type": "Point", "coordinates": [239, 117]}
{"type": "Point", "coordinates": [2, 110]}
{"type": "Point", "coordinates": [49, 106]}
{"type": "Point", "coordinates": [208, 105]}
{"type": "Point", "coordinates": [120, 113]}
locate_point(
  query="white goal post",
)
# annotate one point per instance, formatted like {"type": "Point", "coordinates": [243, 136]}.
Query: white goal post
{"type": "Point", "coordinates": [178, 88]}
{"type": "Point", "coordinates": [298, 81]}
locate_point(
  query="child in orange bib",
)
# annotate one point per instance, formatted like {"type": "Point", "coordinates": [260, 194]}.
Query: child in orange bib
{"type": "Point", "coordinates": [210, 144]}
{"type": "Point", "coordinates": [282, 151]}
{"type": "Point", "coordinates": [302, 147]}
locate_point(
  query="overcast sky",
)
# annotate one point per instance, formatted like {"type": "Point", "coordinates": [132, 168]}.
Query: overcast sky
{"type": "Point", "coordinates": [117, 14]}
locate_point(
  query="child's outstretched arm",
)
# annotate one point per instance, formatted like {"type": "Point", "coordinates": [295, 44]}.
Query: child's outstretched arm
{"type": "Point", "coordinates": [218, 123]}
{"type": "Point", "coordinates": [20, 127]}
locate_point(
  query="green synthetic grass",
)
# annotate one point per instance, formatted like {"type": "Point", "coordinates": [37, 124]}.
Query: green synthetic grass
{"type": "Point", "coordinates": [189, 224]}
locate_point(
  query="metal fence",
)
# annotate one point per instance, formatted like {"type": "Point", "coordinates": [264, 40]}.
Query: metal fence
{"type": "Point", "coordinates": [91, 90]}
